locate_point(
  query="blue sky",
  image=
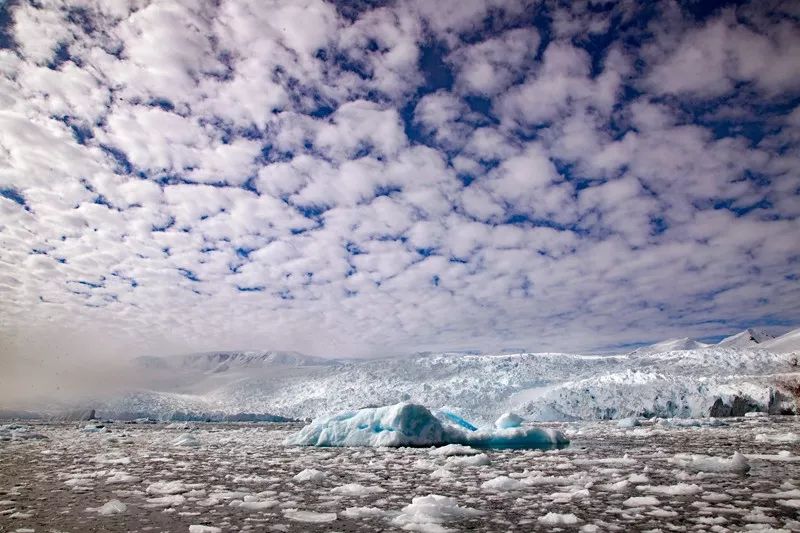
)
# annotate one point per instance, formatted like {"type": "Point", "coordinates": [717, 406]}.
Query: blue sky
{"type": "Point", "coordinates": [385, 177]}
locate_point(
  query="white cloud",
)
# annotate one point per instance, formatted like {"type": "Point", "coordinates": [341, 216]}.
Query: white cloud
{"type": "Point", "coordinates": [237, 174]}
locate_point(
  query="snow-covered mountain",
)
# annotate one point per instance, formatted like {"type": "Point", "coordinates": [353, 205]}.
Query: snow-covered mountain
{"type": "Point", "coordinates": [789, 342]}
{"type": "Point", "coordinates": [686, 379]}
{"type": "Point", "coordinates": [671, 345]}
{"type": "Point", "coordinates": [746, 339]}
{"type": "Point", "coordinates": [214, 362]}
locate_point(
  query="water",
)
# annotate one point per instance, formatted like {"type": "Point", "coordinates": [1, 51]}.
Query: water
{"type": "Point", "coordinates": [48, 485]}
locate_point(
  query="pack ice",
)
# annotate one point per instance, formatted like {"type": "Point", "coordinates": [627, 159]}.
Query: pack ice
{"type": "Point", "coordinates": [410, 424]}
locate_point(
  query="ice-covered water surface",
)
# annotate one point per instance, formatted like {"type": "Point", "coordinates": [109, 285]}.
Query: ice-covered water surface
{"type": "Point", "coordinates": [687, 476]}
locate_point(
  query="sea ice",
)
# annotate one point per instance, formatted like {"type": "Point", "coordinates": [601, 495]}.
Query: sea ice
{"type": "Point", "coordinates": [454, 449]}
{"type": "Point", "coordinates": [308, 516]}
{"type": "Point", "coordinates": [629, 422]}
{"type": "Point", "coordinates": [310, 474]}
{"type": "Point", "coordinates": [737, 464]}
{"type": "Point", "coordinates": [355, 489]}
{"type": "Point", "coordinates": [109, 508]}
{"type": "Point", "coordinates": [557, 519]}
{"type": "Point", "coordinates": [204, 529]}
{"type": "Point", "coordinates": [186, 439]}
{"type": "Point", "coordinates": [426, 512]}
{"type": "Point", "coordinates": [508, 420]}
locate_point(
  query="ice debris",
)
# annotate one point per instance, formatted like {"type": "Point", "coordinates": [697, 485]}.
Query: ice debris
{"type": "Point", "coordinates": [109, 508]}
{"type": "Point", "coordinates": [737, 464]}
{"type": "Point", "coordinates": [409, 424]}
{"type": "Point", "coordinates": [508, 420]}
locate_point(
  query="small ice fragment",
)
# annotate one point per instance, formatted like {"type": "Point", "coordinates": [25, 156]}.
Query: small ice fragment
{"type": "Point", "coordinates": [109, 508]}
{"type": "Point", "coordinates": [308, 516]}
{"type": "Point", "coordinates": [508, 420]}
{"type": "Point", "coordinates": [310, 474]}
{"type": "Point", "coordinates": [557, 519]}
{"type": "Point", "coordinates": [195, 528]}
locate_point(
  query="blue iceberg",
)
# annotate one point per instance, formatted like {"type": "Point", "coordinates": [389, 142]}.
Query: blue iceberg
{"type": "Point", "coordinates": [409, 424]}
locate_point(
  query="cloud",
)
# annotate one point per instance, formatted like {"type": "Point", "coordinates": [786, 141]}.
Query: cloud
{"type": "Point", "coordinates": [374, 180]}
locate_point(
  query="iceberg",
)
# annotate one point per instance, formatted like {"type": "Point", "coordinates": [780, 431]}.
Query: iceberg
{"type": "Point", "coordinates": [410, 424]}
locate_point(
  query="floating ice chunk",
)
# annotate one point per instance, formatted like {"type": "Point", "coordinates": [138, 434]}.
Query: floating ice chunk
{"type": "Point", "coordinates": [408, 424]}
{"type": "Point", "coordinates": [167, 501]}
{"type": "Point", "coordinates": [186, 439]}
{"type": "Point", "coordinates": [195, 528]}
{"type": "Point", "coordinates": [442, 473]}
{"type": "Point", "coordinates": [308, 516]}
{"type": "Point", "coordinates": [94, 428]}
{"type": "Point", "coordinates": [755, 414]}
{"type": "Point", "coordinates": [109, 508]}
{"type": "Point", "coordinates": [629, 422]}
{"type": "Point", "coordinates": [424, 513]}
{"type": "Point", "coordinates": [508, 420]}
{"type": "Point", "coordinates": [503, 483]}
{"type": "Point", "coordinates": [258, 505]}
{"type": "Point", "coordinates": [640, 501]}
{"type": "Point", "coordinates": [354, 489]}
{"type": "Point", "coordinates": [469, 460]}
{"type": "Point", "coordinates": [121, 477]}
{"type": "Point", "coordinates": [363, 512]}
{"type": "Point", "coordinates": [737, 464]}
{"type": "Point", "coordinates": [171, 487]}
{"type": "Point", "coordinates": [454, 449]}
{"type": "Point", "coordinates": [778, 438]}
{"type": "Point", "coordinates": [681, 489]}
{"type": "Point", "coordinates": [310, 474]}
{"type": "Point", "coordinates": [557, 519]}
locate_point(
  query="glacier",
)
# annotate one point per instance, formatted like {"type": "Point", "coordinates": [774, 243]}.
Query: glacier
{"type": "Point", "coordinates": [743, 373]}
{"type": "Point", "coordinates": [409, 424]}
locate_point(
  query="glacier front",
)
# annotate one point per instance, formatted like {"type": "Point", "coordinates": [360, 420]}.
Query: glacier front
{"type": "Point", "coordinates": [410, 424]}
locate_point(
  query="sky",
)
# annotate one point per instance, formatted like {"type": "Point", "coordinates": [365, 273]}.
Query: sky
{"type": "Point", "coordinates": [375, 178]}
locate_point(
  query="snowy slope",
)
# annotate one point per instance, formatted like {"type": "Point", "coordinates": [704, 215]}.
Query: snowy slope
{"type": "Point", "coordinates": [481, 387]}
{"type": "Point", "coordinates": [748, 338]}
{"type": "Point", "coordinates": [671, 345]}
{"type": "Point", "coordinates": [790, 342]}
{"type": "Point", "coordinates": [225, 361]}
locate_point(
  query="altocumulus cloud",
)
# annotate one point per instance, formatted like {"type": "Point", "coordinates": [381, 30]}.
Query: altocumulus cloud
{"type": "Point", "coordinates": [374, 178]}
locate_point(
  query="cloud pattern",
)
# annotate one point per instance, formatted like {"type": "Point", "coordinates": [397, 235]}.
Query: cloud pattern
{"type": "Point", "coordinates": [376, 178]}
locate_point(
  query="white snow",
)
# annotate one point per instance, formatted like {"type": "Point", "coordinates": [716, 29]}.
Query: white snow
{"type": "Point", "coordinates": [666, 380]}
{"type": "Point", "coordinates": [746, 339]}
